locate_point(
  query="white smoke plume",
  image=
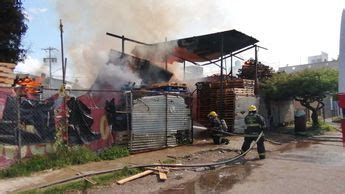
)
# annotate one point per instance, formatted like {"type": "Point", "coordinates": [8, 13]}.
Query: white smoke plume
{"type": "Point", "coordinates": [116, 73]}
{"type": "Point", "coordinates": [86, 22]}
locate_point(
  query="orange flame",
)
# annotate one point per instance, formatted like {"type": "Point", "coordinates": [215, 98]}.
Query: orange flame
{"type": "Point", "coordinates": [29, 85]}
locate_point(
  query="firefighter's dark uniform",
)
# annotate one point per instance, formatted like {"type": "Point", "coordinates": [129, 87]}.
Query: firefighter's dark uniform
{"type": "Point", "coordinates": [255, 124]}
{"type": "Point", "coordinates": [218, 138]}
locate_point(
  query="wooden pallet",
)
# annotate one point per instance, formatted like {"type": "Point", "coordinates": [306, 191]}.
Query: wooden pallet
{"type": "Point", "coordinates": [6, 81]}
{"type": "Point", "coordinates": [8, 65]}
{"type": "Point", "coordinates": [244, 92]}
{"type": "Point", "coordinates": [5, 85]}
{"type": "Point", "coordinates": [166, 84]}
{"type": "Point", "coordinates": [6, 70]}
{"type": "Point", "coordinates": [7, 75]}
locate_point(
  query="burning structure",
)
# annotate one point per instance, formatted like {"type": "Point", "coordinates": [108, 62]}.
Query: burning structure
{"type": "Point", "coordinates": [218, 94]}
{"type": "Point", "coordinates": [133, 101]}
{"type": "Point", "coordinates": [148, 115]}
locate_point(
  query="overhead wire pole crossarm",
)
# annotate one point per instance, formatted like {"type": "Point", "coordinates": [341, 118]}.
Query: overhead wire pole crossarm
{"type": "Point", "coordinates": [50, 49]}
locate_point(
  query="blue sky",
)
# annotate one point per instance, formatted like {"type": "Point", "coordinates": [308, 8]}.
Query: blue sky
{"type": "Point", "coordinates": [43, 26]}
{"type": "Point", "coordinates": [291, 30]}
{"type": "Point", "coordinates": [43, 31]}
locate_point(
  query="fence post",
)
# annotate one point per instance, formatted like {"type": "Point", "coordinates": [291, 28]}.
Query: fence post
{"type": "Point", "coordinates": [166, 119]}
{"type": "Point", "coordinates": [19, 134]}
{"type": "Point", "coordinates": [129, 116]}
{"type": "Point", "coordinates": [191, 118]}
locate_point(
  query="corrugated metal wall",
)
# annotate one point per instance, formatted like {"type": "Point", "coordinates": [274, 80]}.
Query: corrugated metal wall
{"type": "Point", "coordinates": [156, 120]}
{"type": "Point", "coordinates": [179, 118]}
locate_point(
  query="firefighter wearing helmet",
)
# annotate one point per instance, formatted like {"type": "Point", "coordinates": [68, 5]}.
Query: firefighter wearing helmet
{"type": "Point", "coordinates": [255, 124]}
{"type": "Point", "coordinates": [217, 127]}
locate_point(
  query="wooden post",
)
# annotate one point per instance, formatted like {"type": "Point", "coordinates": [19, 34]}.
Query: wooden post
{"type": "Point", "coordinates": [125, 180]}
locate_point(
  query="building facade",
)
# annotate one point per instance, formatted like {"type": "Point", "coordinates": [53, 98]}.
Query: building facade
{"type": "Point", "coordinates": [328, 64]}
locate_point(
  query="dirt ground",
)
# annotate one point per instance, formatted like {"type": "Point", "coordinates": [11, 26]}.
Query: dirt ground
{"type": "Point", "coordinates": [289, 166]}
{"type": "Point", "coordinates": [296, 166]}
{"type": "Point", "coordinates": [181, 180]}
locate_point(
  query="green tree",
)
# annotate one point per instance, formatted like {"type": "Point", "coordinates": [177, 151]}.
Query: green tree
{"type": "Point", "coordinates": [12, 30]}
{"type": "Point", "coordinates": [248, 71]}
{"type": "Point", "coordinates": [309, 87]}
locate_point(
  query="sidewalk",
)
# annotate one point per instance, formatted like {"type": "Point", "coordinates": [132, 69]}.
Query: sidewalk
{"type": "Point", "coordinates": [48, 177]}
{"type": "Point", "coordinates": [336, 125]}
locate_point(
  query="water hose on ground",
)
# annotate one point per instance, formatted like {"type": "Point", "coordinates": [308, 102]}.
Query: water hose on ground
{"type": "Point", "coordinates": [239, 134]}
{"type": "Point", "coordinates": [227, 161]}
{"type": "Point", "coordinates": [246, 135]}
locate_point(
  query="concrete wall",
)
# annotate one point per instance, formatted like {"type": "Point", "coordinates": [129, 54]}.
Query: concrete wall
{"type": "Point", "coordinates": [331, 108]}
{"type": "Point", "coordinates": [281, 112]}
{"type": "Point", "coordinates": [241, 110]}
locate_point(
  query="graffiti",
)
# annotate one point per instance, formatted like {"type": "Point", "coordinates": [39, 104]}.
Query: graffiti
{"type": "Point", "coordinates": [104, 127]}
{"type": "Point", "coordinates": [9, 153]}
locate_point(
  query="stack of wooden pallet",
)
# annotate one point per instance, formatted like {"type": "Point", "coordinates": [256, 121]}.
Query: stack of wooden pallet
{"type": "Point", "coordinates": [6, 74]}
{"type": "Point", "coordinates": [226, 84]}
{"type": "Point", "coordinates": [209, 99]}
{"type": "Point", "coordinates": [247, 90]}
{"type": "Point", "coordinates": [244, 92]}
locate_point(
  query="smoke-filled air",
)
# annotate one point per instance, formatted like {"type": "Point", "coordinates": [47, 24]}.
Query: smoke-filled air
{"type": "Point", "coordinates": [151, 21]}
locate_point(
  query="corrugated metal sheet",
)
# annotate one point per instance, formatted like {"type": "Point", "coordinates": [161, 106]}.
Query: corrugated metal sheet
{"type": "Point", "coordinates": [179, 118]}
{"type": "Point", "coordinates": [148, 123]}
{"type": "Point", "coordinates": [155, 125]}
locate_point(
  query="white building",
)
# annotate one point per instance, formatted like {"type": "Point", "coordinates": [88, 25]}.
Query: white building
{"type": "Point", "coordinates": [318, 58]}
{"type": "Point", "coordinates": [194, 72]}
{"type": "Point", "coordinates": [294, 68]}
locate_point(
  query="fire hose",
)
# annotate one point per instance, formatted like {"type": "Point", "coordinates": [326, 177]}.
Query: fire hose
{"type": "Point", "coordinates": [227, 161]}
{"type": "Point", "coordinates": [247, 135]}
{"type": "Point", "coordinates": [213, 164]}
{"type": "Point", "coordinates": [237, 134]}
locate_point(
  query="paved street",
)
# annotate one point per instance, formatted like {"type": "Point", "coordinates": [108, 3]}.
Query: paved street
{"type": "Point", "coordinates": [297, 167]}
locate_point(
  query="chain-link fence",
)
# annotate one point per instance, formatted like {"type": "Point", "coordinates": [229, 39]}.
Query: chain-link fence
{"type": "Point", "coordinates": [27, 125]}
{"type": "Point", "coordinates": [142, 120]}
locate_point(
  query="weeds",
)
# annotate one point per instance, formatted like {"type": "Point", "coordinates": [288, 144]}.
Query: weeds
{"type": "Point", "coordinates": [64, 156]}
{"type": "Point", "coordinates": [337, 119]}
{"type": "Point", "coordinates": [323, 126]}
{"type": "Point", "coordinates": [169, 161]}
{"type": "Point", "coordinates": [113, 153]}
{"type": "Point", "coordinates": [83, 185]}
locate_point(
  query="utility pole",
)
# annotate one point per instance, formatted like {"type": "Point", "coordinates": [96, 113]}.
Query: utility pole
{"type": "Point", "coordinates": [50, 58]}
{"type": "Point", "coordinates": [62, 55]}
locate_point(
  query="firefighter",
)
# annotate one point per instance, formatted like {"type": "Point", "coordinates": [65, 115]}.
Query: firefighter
{"type": "Point", "coordinates": [217, 126]}
{"type": "Point", "coordinates": [255, 125]}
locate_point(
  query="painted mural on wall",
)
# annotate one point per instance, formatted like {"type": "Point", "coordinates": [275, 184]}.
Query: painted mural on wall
{"type": "Point", "coordinates": [9, 154]}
